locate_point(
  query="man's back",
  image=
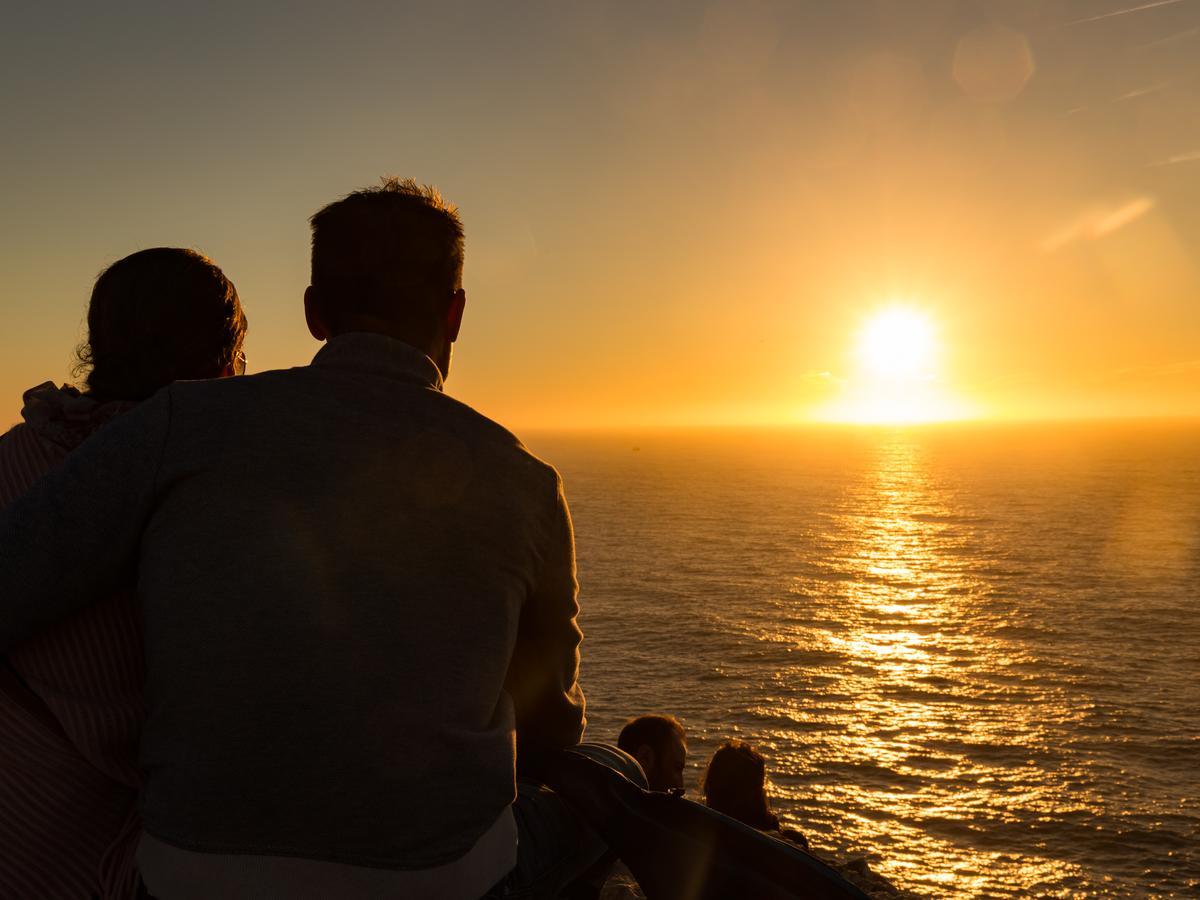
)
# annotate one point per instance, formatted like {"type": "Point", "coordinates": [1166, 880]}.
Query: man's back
{"type": "Point", "coordinates": [337, 564]}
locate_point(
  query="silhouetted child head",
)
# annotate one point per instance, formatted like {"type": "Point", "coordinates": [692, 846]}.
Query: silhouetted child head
{"type": "Point", "coordinates": [736, 785]}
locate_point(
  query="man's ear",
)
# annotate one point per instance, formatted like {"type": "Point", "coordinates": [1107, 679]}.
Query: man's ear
{"type": "Point", "coordinates": [454, 314]}
{"type": "Point", "coordinates": [645, 756]}
{"type": "Point", "coordinates": [312, 314]}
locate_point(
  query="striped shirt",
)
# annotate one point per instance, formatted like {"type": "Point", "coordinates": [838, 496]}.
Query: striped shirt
{"type": "Point", "coordinates": [71, 705]}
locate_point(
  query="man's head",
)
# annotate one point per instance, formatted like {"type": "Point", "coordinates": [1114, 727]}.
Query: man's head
{"type": "Point", "coordinates": [389, 260]}
{"type": "Point", "coordinates": [659, 743]}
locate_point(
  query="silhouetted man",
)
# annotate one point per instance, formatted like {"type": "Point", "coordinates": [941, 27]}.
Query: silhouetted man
{"type": "Point", "coordinates": [659, 743]}
{"type": "Point", "coordinates": [359, 596]}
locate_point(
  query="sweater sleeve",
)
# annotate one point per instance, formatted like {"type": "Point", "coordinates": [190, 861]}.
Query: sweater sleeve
{"type": "Point", "coordinates": [71, 538]}
{"type": "Point", "coordinates": [543, 677]}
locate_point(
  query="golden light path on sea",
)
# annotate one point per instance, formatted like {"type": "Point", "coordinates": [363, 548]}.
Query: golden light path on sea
{"type": "Point", "coordinates": [909, 642]}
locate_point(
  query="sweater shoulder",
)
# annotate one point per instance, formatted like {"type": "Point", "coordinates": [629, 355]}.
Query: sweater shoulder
{"type": "Point", "coordinates": [281, 396]}
{"type": "Point", "coordinates": [501, 440]}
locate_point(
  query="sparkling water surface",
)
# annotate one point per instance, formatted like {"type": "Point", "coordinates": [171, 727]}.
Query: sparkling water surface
{"type": "Point", "coordinates": [970, 653]}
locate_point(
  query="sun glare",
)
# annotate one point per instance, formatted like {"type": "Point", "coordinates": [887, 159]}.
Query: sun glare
{"type": "Point", "coordinates": [895, 379]}
{"type": "Point", "coordinates": [897, 343]}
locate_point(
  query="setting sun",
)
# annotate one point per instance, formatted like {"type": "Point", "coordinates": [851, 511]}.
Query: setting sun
{"type": "Point", "coordinates": [895, 377]}
{"type": "Point", "coordinates": [897, 343]}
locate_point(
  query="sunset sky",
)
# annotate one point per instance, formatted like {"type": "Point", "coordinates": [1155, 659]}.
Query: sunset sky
{"type": "Point", "coordinates": [676, 213]}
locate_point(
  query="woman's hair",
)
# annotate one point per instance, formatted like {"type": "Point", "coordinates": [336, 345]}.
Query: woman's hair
{"type": "Point", "coordinates": [735, 784]}
{"type": "Point", "coordinates": [157, 316]}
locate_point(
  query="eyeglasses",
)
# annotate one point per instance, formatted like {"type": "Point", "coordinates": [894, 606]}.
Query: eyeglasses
{"type": "Point", "coordinates": [239, 363]}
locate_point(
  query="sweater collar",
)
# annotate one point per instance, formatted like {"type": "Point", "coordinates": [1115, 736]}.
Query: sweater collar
{"type": "Point", "coordinates": [378, 354]}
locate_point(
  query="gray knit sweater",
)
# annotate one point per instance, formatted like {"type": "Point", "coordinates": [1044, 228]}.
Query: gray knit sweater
{"type": "Point", "coordinates": [356, 591]}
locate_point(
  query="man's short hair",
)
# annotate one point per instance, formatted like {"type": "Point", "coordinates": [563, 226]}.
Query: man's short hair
{"type": "Point", "coordinates": [649, 731]}
{"type": "Point", "coordinates": [394, 252]}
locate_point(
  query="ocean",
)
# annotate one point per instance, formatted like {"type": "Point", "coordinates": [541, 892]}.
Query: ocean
{"type": "Point", "coordinates": [969, 653]}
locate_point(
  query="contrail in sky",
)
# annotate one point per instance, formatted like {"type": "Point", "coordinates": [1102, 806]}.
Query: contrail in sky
{"type": "Point", "coordinates": [1125, 12]}
{"type": "Point", "coordinates": [1193, 156]}
{"type": "Point", "coordinates": [1142, 91]}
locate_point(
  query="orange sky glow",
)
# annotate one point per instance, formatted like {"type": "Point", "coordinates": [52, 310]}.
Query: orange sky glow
{"type": "Point", "coordinates": [714, 213]}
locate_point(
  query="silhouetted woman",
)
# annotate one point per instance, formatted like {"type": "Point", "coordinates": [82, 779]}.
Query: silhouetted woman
{"type": "Point", "coordinates": [736, 784]}
{"type": "Point", "coordinates": [71, 706]}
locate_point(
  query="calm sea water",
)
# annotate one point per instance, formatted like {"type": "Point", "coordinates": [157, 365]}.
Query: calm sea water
{"type": "Point", "coordinates": [970, 653]}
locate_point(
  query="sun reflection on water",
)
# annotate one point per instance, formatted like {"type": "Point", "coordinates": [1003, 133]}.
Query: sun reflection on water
{"type": "Point", "coordinates": [908, 660]}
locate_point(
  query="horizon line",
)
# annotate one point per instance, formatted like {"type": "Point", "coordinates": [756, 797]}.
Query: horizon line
{"type": "Point", "coordinates": [1185, 419]}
